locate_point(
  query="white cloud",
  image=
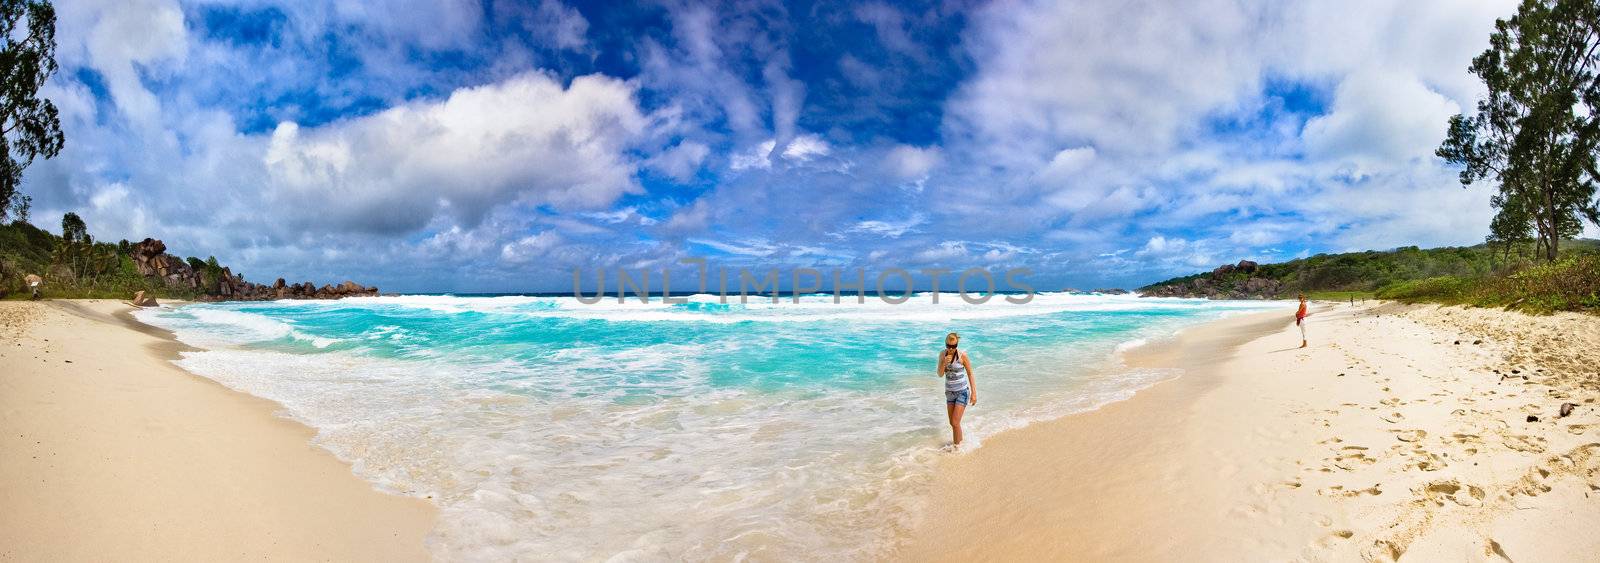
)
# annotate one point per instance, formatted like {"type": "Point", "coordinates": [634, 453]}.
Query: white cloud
{"type": "Point", "coordinates": [890, 26]}
{"type": "Point", "coordinates": [621, 215]}
{"type": "Point", "coordinates": [1066, 162]}
{"type": "Point", "coordinates": [801, 149]}
{"type": "Point", "coordinates": [121, 39]}
{"type": "Point", "coordinates": [691, 219]}
{"type": "Point", "coordinates": [432, 24]}
{"type": "Point", "coordinates": [891, 229]}
{"type": "Point", "coordinates": [1431, 40]}
{"type": "Point", "coordinates": [912, 163]}
{"type": "Point", "coordinates": [1380, 117]}
{"type": "Point", "coordinates": [529, 247]}
{"type": "Point", "coordinates": [1121, 76]}
{"type": "Point", "coordinates": [562, 24]}
{"type": "Point", "coordinates": [682, 161]}
{"type": "Point", "coordinates": [525, 140]}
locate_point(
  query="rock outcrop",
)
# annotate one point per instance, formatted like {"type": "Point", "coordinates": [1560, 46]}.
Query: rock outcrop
{"type": "Point", "coordinates": [151, 258]}
{"type": "Point", "coordinates": [1228, 281]}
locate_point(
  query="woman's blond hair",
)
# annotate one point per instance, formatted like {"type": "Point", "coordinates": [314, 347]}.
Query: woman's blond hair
{"type": "Point", "coordinates": [951, 358]}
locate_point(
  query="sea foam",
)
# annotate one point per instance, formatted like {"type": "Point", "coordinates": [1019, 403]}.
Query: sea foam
{"type": "Point", "coordinates": [548, 429]}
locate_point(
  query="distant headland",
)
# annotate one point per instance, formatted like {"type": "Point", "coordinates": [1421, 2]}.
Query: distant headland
{"type": "Point", "coordinates": [75, 265]}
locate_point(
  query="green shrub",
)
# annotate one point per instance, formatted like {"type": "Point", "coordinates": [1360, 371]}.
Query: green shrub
{"type": "Point", "coordinates": [1568, 284]}
{"type": "Point", "coordinates": [1447, 289]}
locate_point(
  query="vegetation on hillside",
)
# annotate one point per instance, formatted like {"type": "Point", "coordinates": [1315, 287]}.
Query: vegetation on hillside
{"type": "Point", "coordinates": [75, 265]}
{"type": "Point", "coordinates": [1568, 284]}
{"type": "Point", "coordinates": [1483, 275]}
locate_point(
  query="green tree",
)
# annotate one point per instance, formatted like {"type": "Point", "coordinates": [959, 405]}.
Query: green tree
{"type": "Point", "coordinates": [1537, 129]}
{"type": "Point", "coordinates": [30, 126]}
{"type": "Point", "coordinates": [1512, 226]}
{"type": "Point", "coordinates": [75, 246]}
{"type": "Point", "coordinates": [73, 229]}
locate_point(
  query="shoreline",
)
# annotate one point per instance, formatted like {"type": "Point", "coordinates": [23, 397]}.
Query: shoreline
{"type": "Point", "coordinates": [1391, 435]}
{"type": "Point", "coordinates": [117, 450]}
{"type": "Point", "coordinates": [1109, 435]}
{"type": "Point", "coordinates": [1400, 432]}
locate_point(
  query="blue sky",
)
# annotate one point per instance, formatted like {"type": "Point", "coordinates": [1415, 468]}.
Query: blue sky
{"type": "Point", "coordinates": [494, 146]}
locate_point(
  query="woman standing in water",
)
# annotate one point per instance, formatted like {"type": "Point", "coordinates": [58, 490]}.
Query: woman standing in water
{"type": "Point", "coordinates": [960, 389]}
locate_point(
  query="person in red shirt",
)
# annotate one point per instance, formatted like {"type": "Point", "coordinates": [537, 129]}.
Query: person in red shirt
{"type": "Point", "coordinates": [1300, 319]}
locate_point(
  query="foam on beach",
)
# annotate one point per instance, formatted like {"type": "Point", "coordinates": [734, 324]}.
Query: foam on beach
{"type": "Point", "coordinates": [545, 428]}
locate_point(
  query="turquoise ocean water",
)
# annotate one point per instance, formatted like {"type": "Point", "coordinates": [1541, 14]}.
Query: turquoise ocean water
{"type": "Point", "coordinates": [549, 429]}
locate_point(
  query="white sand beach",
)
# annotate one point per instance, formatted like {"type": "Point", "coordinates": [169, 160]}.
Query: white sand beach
{"type": "Point", "coordinates": [109, 452]}
{"type": "Point", "coordinates": [1402, 432]}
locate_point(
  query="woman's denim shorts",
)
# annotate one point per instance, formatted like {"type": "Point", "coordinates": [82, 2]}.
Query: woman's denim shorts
{"type": "Point", "coordinates": [957, 397]}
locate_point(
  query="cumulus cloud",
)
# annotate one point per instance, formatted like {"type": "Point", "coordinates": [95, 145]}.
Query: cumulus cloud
{"type": "Point", "coordinates": [525, 140]}
{"type": "Point", "coordinates": [1382, 117]}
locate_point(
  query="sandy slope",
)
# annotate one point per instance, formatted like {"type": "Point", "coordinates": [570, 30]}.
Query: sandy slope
{"type": "Point", "coordinates": [110, 453]}
{"type": "Point", "coordinates": [1386, 439]}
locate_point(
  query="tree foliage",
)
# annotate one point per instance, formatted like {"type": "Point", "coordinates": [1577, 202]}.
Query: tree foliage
{"type": "Point", "coordinates": [30, 126]}
{"type": "Point", "coordinates": [73, 228]}
{"type": "Point", "coordinates": [1537, 129]}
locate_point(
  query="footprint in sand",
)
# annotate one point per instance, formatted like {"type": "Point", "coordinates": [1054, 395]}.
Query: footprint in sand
{"type": "Point", "coordinates": [1339, 491]}
{"type": "Point", "coordinates": [1522, 443]}
{"type": "Point", "coordinates": [1409, 435]}
{"type": "Point", "coordinates": [1491, 547]}
{"type": "Point", "coordinates": [1532, 484]}
{"type": "Point", "coordinates": [1428, 462]}
{"type": "Point", "coordinates": [1338, 536]}
{"type": "Point", "coordinates": [1383, 551]}
{"type": "Point", "coordinates": [1349, 461]}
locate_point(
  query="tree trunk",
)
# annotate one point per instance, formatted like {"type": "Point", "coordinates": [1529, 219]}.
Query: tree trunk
{"type": "Point", "coordinates": [1555, 225]}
